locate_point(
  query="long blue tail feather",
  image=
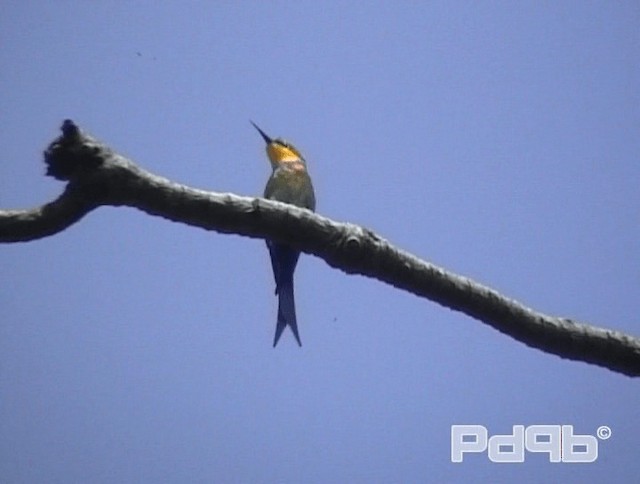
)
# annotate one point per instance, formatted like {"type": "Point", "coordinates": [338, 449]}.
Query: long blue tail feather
{"type": "Point", "coordinates": [283, 262]}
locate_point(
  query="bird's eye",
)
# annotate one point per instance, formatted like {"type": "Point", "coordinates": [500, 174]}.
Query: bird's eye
{"type": "Point", "coordinates": [282, 142]}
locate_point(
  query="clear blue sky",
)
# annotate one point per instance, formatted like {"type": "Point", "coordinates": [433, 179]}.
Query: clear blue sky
{"type": "Point", "coordinates": [500, 140]}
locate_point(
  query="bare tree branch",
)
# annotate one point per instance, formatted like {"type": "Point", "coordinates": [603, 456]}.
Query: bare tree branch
{"type": "Point", "coordinates": [97, 176]}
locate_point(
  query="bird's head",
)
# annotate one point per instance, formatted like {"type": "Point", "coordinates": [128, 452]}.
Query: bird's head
{"type": "Point", "coordinates": [278, 150]}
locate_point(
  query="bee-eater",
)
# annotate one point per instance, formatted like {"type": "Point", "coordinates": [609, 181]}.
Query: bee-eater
{"type": "Point", "coordinates": [289, 183]}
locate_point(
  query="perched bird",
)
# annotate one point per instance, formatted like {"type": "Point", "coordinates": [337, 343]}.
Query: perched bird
{"type": "Point", "coordinates": [289, 183]}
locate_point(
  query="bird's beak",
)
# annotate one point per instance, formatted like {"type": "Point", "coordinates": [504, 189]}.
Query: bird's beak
{"type": "Point", "coordinates": [262, 133]}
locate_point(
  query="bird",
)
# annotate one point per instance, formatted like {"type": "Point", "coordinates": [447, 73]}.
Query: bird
{"type": "Point", "coordinates": [289, 183]}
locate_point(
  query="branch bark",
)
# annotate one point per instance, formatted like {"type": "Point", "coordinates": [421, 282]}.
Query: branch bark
{"type": "Point", "coordinates": [97, 176]}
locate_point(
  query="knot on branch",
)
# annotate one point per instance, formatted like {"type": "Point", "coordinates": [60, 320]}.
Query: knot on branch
{"type": "Point", "coordinates": [72, 154]}
{"type": "Point", "coordinates": [353, 246]}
